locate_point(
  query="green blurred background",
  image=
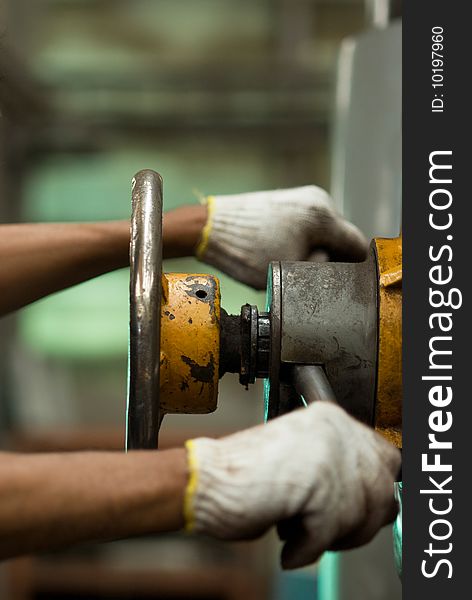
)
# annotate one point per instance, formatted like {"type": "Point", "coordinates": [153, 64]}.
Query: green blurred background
{"type": "Point", "coordinates": [217, 95]}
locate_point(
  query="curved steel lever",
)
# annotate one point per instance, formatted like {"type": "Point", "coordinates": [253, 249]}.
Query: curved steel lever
{"type": "Point", "coordinates": [142, 415]}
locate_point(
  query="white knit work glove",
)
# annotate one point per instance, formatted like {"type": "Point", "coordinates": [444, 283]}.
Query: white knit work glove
{"type": "Point", "coordinates": [325, 478]}
{"type": "Point", "coordinates": [244, 232]}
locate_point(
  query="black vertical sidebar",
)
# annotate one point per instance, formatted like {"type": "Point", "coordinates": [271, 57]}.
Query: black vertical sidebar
{"type": "Point", "coordinates": [437, 238]}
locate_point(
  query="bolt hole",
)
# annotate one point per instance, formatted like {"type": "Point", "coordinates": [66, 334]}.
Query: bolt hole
{"type": "Point", "coordinates": [201, 294]}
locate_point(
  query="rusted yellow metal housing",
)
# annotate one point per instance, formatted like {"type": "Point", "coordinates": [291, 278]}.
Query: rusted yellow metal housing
{"type": "Point", "coordinates": [388, 409]}
{"type": "Point", "coordinates": [190, 343]}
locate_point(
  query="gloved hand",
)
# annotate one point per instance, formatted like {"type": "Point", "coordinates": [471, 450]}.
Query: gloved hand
{"type": "Point", "coordinates": [244, 232]}
{"type": "Point", "coordinates": [326, 479]}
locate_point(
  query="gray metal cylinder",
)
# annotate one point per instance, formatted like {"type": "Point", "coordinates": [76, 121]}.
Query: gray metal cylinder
{"type": "Point", "coordinates": [325, 314]}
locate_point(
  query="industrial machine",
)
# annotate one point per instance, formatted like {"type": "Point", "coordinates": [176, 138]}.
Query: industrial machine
{"type": "Point", "coordinates": [330, 331]}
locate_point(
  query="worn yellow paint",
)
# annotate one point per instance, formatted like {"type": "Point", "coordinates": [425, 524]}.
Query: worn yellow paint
{"type": "Point", "coordinates": [388, 410]}
{"type": "Point", "coordinates": [190, 343]}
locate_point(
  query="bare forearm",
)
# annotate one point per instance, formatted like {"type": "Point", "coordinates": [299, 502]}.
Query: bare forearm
{"type": "Point", "coordinates": [40, 259]}
{"type": "Point", "coordinates": [182, 229]}
{"type": "Point", "coordinates": [52, 500]}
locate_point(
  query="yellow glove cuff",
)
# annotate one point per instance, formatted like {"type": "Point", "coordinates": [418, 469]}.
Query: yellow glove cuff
{"type": "Point", "coordinates": [203, 244]}
{"type": "Point", "coordinates": [189, 513]}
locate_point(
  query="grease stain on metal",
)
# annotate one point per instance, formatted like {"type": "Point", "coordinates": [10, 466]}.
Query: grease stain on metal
{"type": "Point", "coordinates": [203, 373]}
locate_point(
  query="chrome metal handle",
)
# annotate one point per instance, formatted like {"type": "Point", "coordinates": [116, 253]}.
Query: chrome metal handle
{"type": "Point", "coordinates": [143, 417]}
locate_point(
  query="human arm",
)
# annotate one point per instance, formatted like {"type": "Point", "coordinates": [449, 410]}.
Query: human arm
{"type": "Point", "coordinates": [49, 501]}
{"type": "Point", "coordinates": [37, 259]}
{"type": "Point", "coordinates": [324, 478]}
{"type": "Point", "coordinates": [238, 234]}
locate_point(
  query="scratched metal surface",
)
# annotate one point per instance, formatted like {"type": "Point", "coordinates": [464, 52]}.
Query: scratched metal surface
{"type": "Point", "coordinates": [328, 316]}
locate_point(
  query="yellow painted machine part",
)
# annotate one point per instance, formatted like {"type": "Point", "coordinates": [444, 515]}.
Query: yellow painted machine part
{"type": "Point", "coordinates": [388, 410]}
{"type": "Point", "coordinates": [190, 343]}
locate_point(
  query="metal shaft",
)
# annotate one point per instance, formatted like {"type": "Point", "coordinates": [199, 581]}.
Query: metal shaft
{"type": "Point", "coordinates": [312, 384]}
